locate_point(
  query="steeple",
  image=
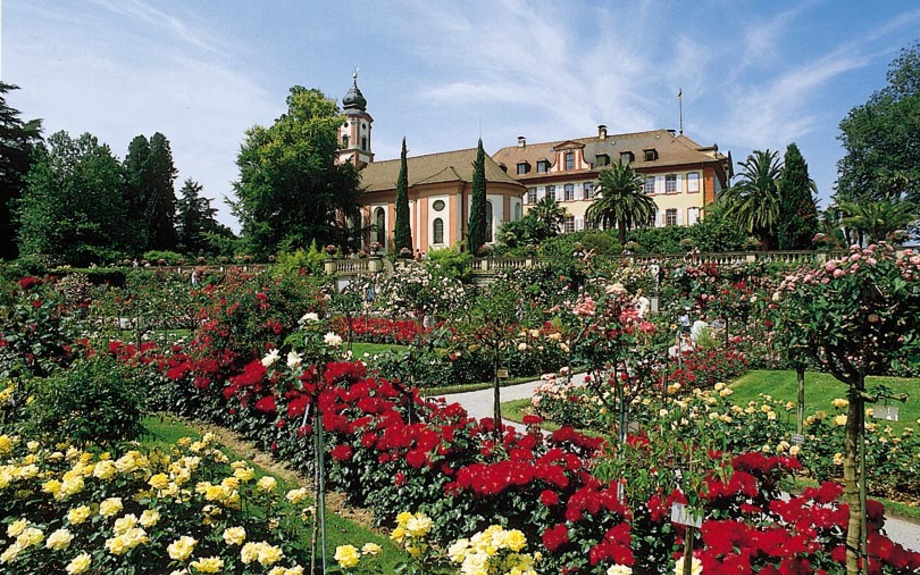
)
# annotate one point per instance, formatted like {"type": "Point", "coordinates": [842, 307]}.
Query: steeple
{"type": "Point", "coordinates": [355, 133]}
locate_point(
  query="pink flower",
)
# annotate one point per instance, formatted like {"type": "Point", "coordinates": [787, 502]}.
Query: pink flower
{"type": "Point", "coordinates": [838, 273]}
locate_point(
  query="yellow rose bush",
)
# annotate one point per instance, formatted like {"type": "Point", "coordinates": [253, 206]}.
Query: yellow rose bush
{"type": "Point", "coordinates": [185, 509]}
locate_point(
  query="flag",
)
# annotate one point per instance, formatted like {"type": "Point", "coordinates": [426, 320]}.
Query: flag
{"type": "Point", "coordinates": [680, 93]}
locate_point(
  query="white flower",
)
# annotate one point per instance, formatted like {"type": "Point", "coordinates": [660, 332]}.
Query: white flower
{"type": "Point", "coordinates": [332, 340]}
{"type": "Point", "coordinates": [271, 358]}
{"type": "Point", "coordinates": [294, 359]}
{"type": "Point", "coordinates": [619, 570]}
{"type": "Point", "coordinates": [309, 317]}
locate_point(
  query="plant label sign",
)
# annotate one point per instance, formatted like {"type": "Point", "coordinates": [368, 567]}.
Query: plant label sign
{"type": "Point", "coordinates": [503, 374]}
{"type": "Point", "coordinates": [797, 439]}
{"type": "Point", "coordinates": [682, 515]}
{"type": "Point", "coordinates": [886, 412]}
{"type": "Point", "coordinates": [632, 426]}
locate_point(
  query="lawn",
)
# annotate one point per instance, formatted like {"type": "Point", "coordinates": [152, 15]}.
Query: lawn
{"type": "Point", "coordinates": [163, 430]}
{"type": "Point", "coordinates": [359, 348]}
{"type": "Point", "coordinates": [821, 389]}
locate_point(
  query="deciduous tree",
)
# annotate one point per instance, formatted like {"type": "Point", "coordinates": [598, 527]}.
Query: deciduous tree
{"type": "Point", "coordinates": [291, 192]}
{"type": "Point", "coordinates": [73, 210]}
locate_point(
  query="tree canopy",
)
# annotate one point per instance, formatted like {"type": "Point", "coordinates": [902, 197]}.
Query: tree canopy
{"type": "Point", "coordinates": [291, 191]}
{"type": "Point", "coordinates": [17, 138]}
{"type": "Point", "coordinates": [149, 193]}
{"type": "Point", "coordinates": [196, 223]}
{"type": "Point", "coordinates": [620, 200]}
{"type": "Point", "coordinates": [882, 138]}
{"type": "Point", "coordinates": [754, 201]}
{"type": "Point", "coordinates": [72, 210]}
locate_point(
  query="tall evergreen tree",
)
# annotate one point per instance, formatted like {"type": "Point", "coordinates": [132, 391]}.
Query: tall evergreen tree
{"type": "Point", "coordinates": [17, 138]}
{"type": "Point", "coordinates": [798, 214]}
{"type": "Point", "coordinates": [291, 192]}
{"type": "Point", "coordinates": [149, 174]}
{"type": "Point", "coordinates": [403, 233]}
{"type": "Point", "coordinates": [476, 235]}
{"type": "Point", "coordinates": [196, 220]}
{"type": "Point", "coordinates": [72, 210]}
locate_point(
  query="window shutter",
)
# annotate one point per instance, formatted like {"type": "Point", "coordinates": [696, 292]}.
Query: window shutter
{"type": "Point", "coordinates": [580, 192]}
{"type": "Point", "coordinates": [560, 194]}
{"type": "Point", "coordinates": [579, 223]}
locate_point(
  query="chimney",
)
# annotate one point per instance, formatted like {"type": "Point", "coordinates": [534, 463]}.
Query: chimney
{"type": "Point", "coordinates": [522, 142]}
{"type": "Point", "coordinates": [602, 132]}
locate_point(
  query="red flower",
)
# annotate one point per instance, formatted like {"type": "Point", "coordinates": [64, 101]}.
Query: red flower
{"type": "Point", "coordinates": [341, 452]}
{"type": "Point", "coordinates": [555, 537]}
{"type": "Point", "coordinates": [29, 282]}
{"type": "Point", "coordinates": [549, 498]}
{"type": "Point", "coordinates": [267, 405]}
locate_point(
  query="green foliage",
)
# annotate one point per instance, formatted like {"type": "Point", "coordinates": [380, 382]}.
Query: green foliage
{"type": "Point", "coordinates": [291, 191]}
{"type": "Point", "coordinates": [96, 400]}
{"type": "Point", "coordinates": [877, 220]}
{"type": "Point", "coordinates": [603, 243]}
{"type": "Point", "coordinates": [797, 220]}
{"type": "Point", "coordinates": [449, 262]}
{"type": "Point", "coordinates": [754, 202]}
{"type": "Point", "coordinates": [151, 199]}
{"type": "Point", "coordinates": [882, 138]}
{"type": "Point", "coordinates": [310, 260]}
{"type": "Point", "coordinates": [476, 234]}
{"type": "Point", "coordinates": [36, 330]}
{"type": "Point", "coordinates": [171, 258]}
{"type": "Point", "coordinates": [17, 138]}
{"type": "Point", "coordinates": [73, 211]}
{"type": "Point", "coordinates": [403, 232]}
{"type": "Point", "coordinates": [620, 200]}
{"type": "Point", "coordinates": [195, 219]}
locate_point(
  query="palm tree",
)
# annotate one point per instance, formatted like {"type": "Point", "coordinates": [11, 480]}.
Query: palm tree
{"type": "Point", "coordinates": [620, 200]}
{"type": "Point", "coordinates": [549, 214]}
{"type": "Point", "coordinates": [878, 220]}
{"type": "Point", "coordinates": [754, 201]}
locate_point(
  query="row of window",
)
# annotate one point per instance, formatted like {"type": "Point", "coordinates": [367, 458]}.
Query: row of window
{"type": "Point", "coordinates": [627, 157]}
{"type": "Point", "coordinates": [566, 193]}
{"type": "Point", "coordinates": [671, 218]}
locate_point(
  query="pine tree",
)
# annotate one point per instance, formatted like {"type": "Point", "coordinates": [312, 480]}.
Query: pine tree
{"type": "Point", "coordinates": [476, 235]}
{"type": "Point", "coordinates": [403, 233]}
{"type": "Point", "coordinates": [195, 219]}
{"type": "Point", "coordinates": [149, 175]}
{"type": "Point", "coordinates": [798, 215]}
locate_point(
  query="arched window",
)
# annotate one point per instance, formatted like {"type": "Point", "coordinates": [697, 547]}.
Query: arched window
{"type": "Point", "coordinates": [380, 223]}
{"type": "Point", "coordinates": [488, 222]}
{"type": "Point", "coordinates": [518, 211]}
{"type": "Point", "coordinates": [363, 142]}
{"type": "Point", "coordinates": [438, 226]}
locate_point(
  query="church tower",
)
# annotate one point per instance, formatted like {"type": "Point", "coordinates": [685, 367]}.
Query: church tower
{"type": "Point", "coordinates": [355, 133]}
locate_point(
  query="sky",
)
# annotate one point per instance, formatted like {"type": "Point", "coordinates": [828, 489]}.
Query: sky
{"type": "Point", "coordinates": [754, 74]}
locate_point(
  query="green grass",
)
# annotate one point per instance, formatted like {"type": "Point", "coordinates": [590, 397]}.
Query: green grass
{"type": "Point", "coordinates": [821, 389]}
{"type": "Point", "coordinates": [163, 430]}
{"type": "Point", "coordinates": [360, 348]}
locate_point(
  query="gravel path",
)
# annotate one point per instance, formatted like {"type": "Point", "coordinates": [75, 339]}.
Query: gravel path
{"type": "Point", "coordinates": [479, 404]}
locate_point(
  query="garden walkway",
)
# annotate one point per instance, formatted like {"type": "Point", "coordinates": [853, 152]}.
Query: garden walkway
{"type": "Point", "coordinates": [479, 404]}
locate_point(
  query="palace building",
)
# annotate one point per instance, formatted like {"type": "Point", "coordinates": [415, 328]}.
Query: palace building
{"type": "Point", "coordinates": [682, 176]}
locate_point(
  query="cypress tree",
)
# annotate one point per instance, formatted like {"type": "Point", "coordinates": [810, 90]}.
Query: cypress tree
{"type": "Point", "coordinates": [403, 233]}
{"type": "Point", "coordinates": [798, 215]}
{"type": "Point", "coordinates": [476, 235]}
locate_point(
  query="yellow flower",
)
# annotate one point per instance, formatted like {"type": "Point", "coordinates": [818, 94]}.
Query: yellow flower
{"type": "Point", "coordinates": [6, 443]}
{"type": "Point", "coordinates": [105, 470]}
{"type": "Point", "coordinates": [208, 565]}
{"type": "Point", "coordinates": [110, 506]}
{"type": "Point", "coordinates": [244, 474]}
{"type": "Point", "coordinates": [295, 496]}
{"type": "Point", "coordinates": [794, 450]}
{"type": "Point", "coordinates": [419, 526]}
{"type": "Point", "coordinates": [619, 570]}
{"type": "Point", "coordinates": [159, 481]}
{"type": "Point", "coordinates": [60, 539]}
{"type": "Point", "coordinates": [347, 556]}
{"type": "Point", "coordinates": [181, 548]}
{"type": "Point", "coordinates": [30, 537]}
{"type": "Point", "coordinates": [398, 534]}
{"type": "Point", "coordinates": [52, 486]}
{"type": "Point", "coordinates": [269, 554]}
{"type": "Point", "coordinates": [78, 515]}
{"type": "Point", "coordinates": [403, 518]}
{"type": "Point", "coordinates": [250, 552]}
{"type": "Point", "coordinates": [79, 564]}
{"type": "Point", "coordinates": [234, 535]}
{"type": "Point", "coordinates": [838, 458]}
{"type": "Point", "coordinates": [16, 528]}
{"type": "Point", "coordinates": [266, 483]}
{"type": "Point", "coordinates": [150, 517]}
{"type": "Point", "coordinates": [10, 553]}
{"type": "Point", "coordinates": [515, 540]}
{"type": "Point", "coordinates": [71, 486]}
{"type": "Point", "coordinates": [123, 524]}
{"type": "Point", "coordinates": [696, 568]}
{"type": "Point", "coordinates": [840, 420]}
{"type": "Point", "coordinates": [370, 549]}
{"type": "Point", "coordinates": [840, 403]}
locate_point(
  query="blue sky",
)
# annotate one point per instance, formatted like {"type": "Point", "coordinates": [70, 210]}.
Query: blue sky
{"type": "Point", "coordinates": [754, 74]}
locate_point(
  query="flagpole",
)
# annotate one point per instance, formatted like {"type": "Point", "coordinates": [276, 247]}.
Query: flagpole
{"type": "Point", "coordinates": [680, 110]}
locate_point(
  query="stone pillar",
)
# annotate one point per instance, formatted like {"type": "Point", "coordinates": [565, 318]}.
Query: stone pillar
{"type": "Point", "coordinates": [329, 266]}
